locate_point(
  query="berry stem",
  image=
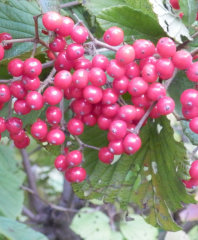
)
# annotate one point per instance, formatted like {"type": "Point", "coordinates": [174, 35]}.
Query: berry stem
{"type": "Point", "coordinates": [20, 40]}
{"type": "Point", "coordinates": [194, 52]}
{"type": "Point", "coordinates": [48, 80]}
{"type": "Point", "coordinates": [70, 4]}
{"type": "Point", "coordinates": [84, 145]}
{"type": "Point", "coordinates": [9, 109]}
{"type": "Point", "coordinates": [178, 118]}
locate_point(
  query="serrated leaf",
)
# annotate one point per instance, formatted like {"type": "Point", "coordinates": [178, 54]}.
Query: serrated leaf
{"type": "Point", "coordinates": [142, 178]}
{"type": "Point", "coordinates": [14, 230]}
{"type": "Point", "coordinates": [91, 224]}
{"type": "Point", "coordinates": [189, 8]}
{"type": "Point", "coordinates": [171, 23]}
{"type": "Point", "coordinates": [138, 229]}
{"type": "Point", "coordinates": [11, 178]}
{"type": "Point", "coordinates": [16, 18]}
{"type": "Point", "coordinates": [134, 23]}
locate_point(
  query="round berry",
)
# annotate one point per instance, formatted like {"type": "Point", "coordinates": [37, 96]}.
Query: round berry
{"type": "Point", "coordinates": [56, 137]}
{"type": "Point", "coordinates": [109, 96]}
{"type": "Point", "coordinates": [166, 47]}
{"type": "Point", "coordinates": [58, 44]}
{"type": "Point", "coordinates": [189, 98]}
{"type": "Point", "coordinates": [52, 95]}
{"type": "Point", "coordinates": [137, 86]}
{"type": "Point", "coordinates": [190, 113]}
{"type": "Point", "coordinates": [21, 107]}
{"type": "Point", "coordinates": [81, 107]}
{"type": "Point", "coordinates": [89, 120]}
{"type": "Point", "coordinates": [6, 36]}
{"type": "Point", "coordinates": [53, 115]}
{"type": "Point", "coordinates": [175, 4]}
{"type": "Point", "coordinates": [65, 27]}
{"type": "Point", "coordinates": [75, 126]}
{"type": "Point", "coordinates": [149, 73]}
{"type": "Point", "coordinates": [74, 51]}
{"type": "Point", "coordinates": [4, 93]}
{"type": "Point", "coordinates": [105, 155]}
{"type": "Point", "coordinates": [115, 70]}
{"type": "Point", "coordinates": [104, 122]}
{"type": "Point", "coordinates": [192, 72]}
{"type": "Point", "coordinates": [194, 125]}
{"type": "Point", "coordinates": [182, 59]}
{"type": "Point", "coordinates": [100, 61]}
{"type": "Point", "coordinates": [31, 84]}
{"type": "Point", "coordinates": [17, 90]}
{"type": "Point", "coordinates": [92, 94]}
{"type": "Point", "coordinates": [131, 143]}
{"type": "Point", "coordinates": [63, 79]}
{"type": "Point", "coordinates": [22, 144]}
{"type": "Point", "coordinates": [127, 113]}
{"type": "Point", "coordinates": [156, 91]}
{"type": "Point", "coordinates": [80, 78]}
{"type": "Point", "coordinates": [75, 174]}
{"type": "Point", "coordinates": [118, 128]}
{"type": "Point", "coordinates": [110, 111]}
{"type": "Point", "coordinates": [97, 77]}
{"type": "Point", "coordinates": [62, 62]}
{"type": "Point", "coordinates": [74, 158]}
{"type": "Point", "coordinates": [165, 68]}
{"type": "Point", "coordinates": [125, 55]}
{"type": "Point", "coordinates": [14, 125]}
{"type": "Point", "coordinates": [120, 85]}
{"type": "Point", "coordinates": [34, 100]}
{"type": "Point", "coordinates": [113, 36]}
{"type": "Point", "coordinates": [132, 70]}
{"type": "Point", "coordinates": [1, 52]}
{"type": "Point", "coordinates": [165, 105]}
{"type": "Point", "coordinates": [79, 34]}
{"type": "Point", "coordinates": [15, 67]}
{"type": "Point", "coordinates": [32, 67]}
{"type": "Point", "coordinates": [52, 20]}
{"type": "Point", "coordinates": [39, 129]}
{"type": "Point", "coordinates": [116, 147]}
{"type": "Point", "coordinates": [142, 101]}
{"type": "Point", "coordinates": [194, 170]}
{"type": "Point", "coordinates": [60, 163]}
{"type": "Point", "coordinates": [143, 48]}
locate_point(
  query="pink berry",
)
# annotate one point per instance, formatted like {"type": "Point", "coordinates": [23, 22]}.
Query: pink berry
{"type": "Point", "coordinates": [110, 111]}
{"type": "Point", "coordinates": [143, 48]}
{"type": "Point", "coordinates": [30, 83]}
{"type": "Point", "coordinates": [125, 55]}
{"type": "Point", "coordinates": [56, 137]}
{"type": "Point", "coordinates": [1, 52]}
{"type": "Point", "coordinates": [4, 93]}
{"type": "Point", "coordinates": [132, 70]}
{"type": "Point", "coordinates": [109, 96]}
{"type": "Point", "coordinates": [32, 67]}
{"type": "Point", "coordinates": [65, 27]}
{"type": "Point", "coordinates": [75, 174]}
{"type": "Point", "coordinates": [22, 144]}
{"type": "Point", "coordinates": [165, 68]}
{"type": "Point", "coordinates": [175, 4]}
{"type": "Point", "coordinates": [182, 59]}
{"type": "Point", "coordinates": [115, 70]}
{"type": "Point", "coordinates": [62, 62]}
{"type": "Point", "coordinates": [89, 120]}
{"type": "Point", "coordinates": [97, 77]}
{"type": "Point", "coordinates": [92, 94]}
{"type": "Point", "coordinates": [118, 128]}
{"type": "Point", "coordinates": [194, 170]}
{"type": "Point", "coordinates": [114, 36]}
{"type": "Point", "coordinates": [58, 44]}
{"type": "Point", "coordinates": [63, 79]}
{"type": "Point", "coordinates": [165, 105]}
{"type": "Point", "coordinates": [190, 113]}
{"type": "Point", "coordinates": [52, 20]}
{"type": "Point", "coordinates": [21, 107]}
{"type": "Point", "coordinates": [189, 98]}
{"type": "Point", "coordinates": [74, 51]}
{"type": "Point", "coordinates": [75, 126]}
{"type": "Point", "coordinates": [105, 155]}
{"type": "Point", "coordinates": [104, 122]}
{"type": "Point", "coordinates": [192, 72]}
{"type": "Point", "coordinates": [53, 115]}
{"type": "Point", "coordinates": [116, 147]}
{"type": "Point", "coordinates": [120, 85]}
{"type": "Point", "coordinates": [149, 73]}
{"type": "Point", "coordinates": [39, 129]}
{"type": "Point", "coordinates": [137, 86]}
{"type": "Point", "coordinates": [60, 163]}
{"type": "Point", "coordinates": [34, 100]}
{"type": "Point", "coordinates": [194, 125]}
{"type": "Point", "coordinates": [100, 61]}
{"type": "Point", "coordinates": [81, 107]}
{"type": "Point", "coordinates": [131, 143]}
{"type": "Point", "coordinates": [166, 47]}
{"type": "Point", "coordinates": [79, 34]}
{"type": "Point", "coordinates": [74, 158]}
{"type": "Point", "coordinates": [2, 124]}
{"type": "Point", "coordinates": [14, 125]}
{"type": "Point", "coordinates": [52, 95]}
{"type": "Point", "coordinates": [15, 67]}
{"type": "Point", "coordinates": [156, 91]}
{"type": "Point", "coordinates": [127, 113]}
{"type": "Point", "coordinates": [6, 36]}
{"type": "Point", "coordinates": [141, 101]}
{"type": "Point", "coordinates": [80, 78]}
{"type": "Point", "coordinates": [17, 90]}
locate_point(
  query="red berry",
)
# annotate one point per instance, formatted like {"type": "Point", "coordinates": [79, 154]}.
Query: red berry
{"type": "Point", "coordinates": [190, 113]}
{"type": "Point", "coordinates": [118, 128]}
{"type": "Point", "coordinates": [30, 83]}
{"type": "Point", "coordinates": [143, 48]}
{"type": "Point", "coordinates": [194, 125]}
{"type": "Point", "coordinates": [82, 63]}
{"type": "Point", "coordinates": [166, 47]}
{"type": "Point", "coordinates": [125, 55]}
{"type": "Point", "coordinates": [189, 98]}
{"type": "Point", "coordinates": [89, 120]}
{"type": "Point", "coordinates": [100, 61]}
{"type": "Point", "coordinates": [114, 36]}
{"type": "Point", "coordinates": [154, 113]}
{"type": "Point", "coordinates": [60, 163]}
{"type": "Point", "coordinates": [75, 174]}
{"type": "Point", "coordinates": [39, 129]}
{"type": "Point", "coordinates": [137, 86]}
{"type": "Point", "coordinates": [74, 51]}
{"type": "Point", "coordinates": [194, 170]}
{"type": "Point", "coordinates": [15, 67]}
{"type": "Point", "coordinates": [182, 59]}
{"type": "Point", "coordinates": [52, 20]}
{"type": "Point", "coordinates": [80, 78]}
{"type": "Point", "coordinates": [62, 62]}
{"type": "Point", "coordinates": [115, 70]}
{"type": "Point", "coordinates": [142, 101]}
{"type": "Point", "coordinates": [127, 113]}
{"type": "Point", "coordinates": [109, 96]}
{"type": "Point", "coordinates": [4, 93]}
{"type": "Point", "coordinates": [132, 70]}
{"type": "Point", "coordinates": [110, 111]}
{"type": "Point", "coordinates": [139, 113]}
{"type": "Point", "coordinates": [17, 90]}
{"type": "Point", "coordinates": [175, 4]}
{"type": "Point", "coordinates": [53, 115]}
{"type": "Point", "coordinates": [52, 95]}
{"type": "Point", "coordinates": [32, 67]}
{"type": "Point", "coordinates": [21, 107]}
{"type": "Point", "coordinates": [74, 158]}
{"type": "Point", "coordinates": [105, 155]}
{"type": "Point", "coordinates": [34, 100]}
{"type": "Point", "coordinates": [75, 126]}
{"type": "Point", "coordinates": [97, 77]}
{"type": "Point", "coordinates": [165, 68]}
{"type": "Point", "coordinates": [79, 34]}
{"type": "Point", "coordinates": [192, 72]}
{"type": "Point", "coordinates": [56, 137]}
{"type": "Point", "coordinates": [165, 105]}
{"type": "Point", "coordinates": [81, 107]}
{"type": "Point", "coordinates": [191, 183]}
{"type": "Point", "coordinates": [18, 137]}
{"type": "Point", "coordinates": [156, 91]}
{"type": "Point", "coordinates": [14, 125]}
{"type": "Point", "coordinates": [1, 52]}
{"type": "Point", "coordinates": [66, 27]}
{"type": "Point", "coordinates": [6, 36]}
{"type": "Point", "coordinates": [58, 44]}
{"type": "Point", "coordinates": [63, 79]}
{"type": "Point", "coordinates": [116, 147]}
{"type": "Point", "coordinates": [149, 73]}
{"type": "Point", "coordinates": [2, 124]}
{"type": "Point", "coordinates": [92, 94]}
{"type": "Point", "coordinates": [120, 85]}
{"type": "Point", "coordinates": [147, 60]}
{"type": "Point", "coordinates": [22, 144]}
{"type": "Point", "coordinates": [131, 143]}
{"type": "Point", "coordinates": [104, 122]}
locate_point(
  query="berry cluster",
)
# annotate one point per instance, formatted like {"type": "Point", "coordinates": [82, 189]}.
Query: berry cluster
{"type": "Point", "coordinates": [96, 88]}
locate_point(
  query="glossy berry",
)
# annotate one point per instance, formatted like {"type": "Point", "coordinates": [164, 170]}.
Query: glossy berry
{"type": "Point", "coordinates": [115, 70]}
{"type": "Point", "coordinates": [125, 55]}
{"type": "Point", "coordinates": [62, 62]}
{"type": "Point", "coordinates": [52, 95]}
{"type": "Point", "coordinates": [143, 48]}
{"type": "Point", "coordinates": [89, 120]}
{"type": "Point", "coordinates": [92, 94]}
{"type": "Point", "coordinates": [63, 79]}
{"type": "Point", "coordinates": [127, 113]}
{"type": "Point", "coordinates": [74, 51]}
{"type": "Point", "coordinates": [165, 105]}
{"type": "Point", "coordinates": [192, 72]}
{"type": "Point", "coordinates": [118, 128]}
{"type": "Point", "coordinates": [139, 113]}
{"type": "Point", "coordinates": [82, 63]}
{"type": "Point", "coordinates": [175, 4]}
{"type": "Point", "coordinates": [105, 155]}
{"type": "Point", "coordinates": [56, 137]}
{"type": "Point", "coordinates": [21, 107]}
{"type": "Point", "coordinates": [113, 36]}
{"type": "Point", "coordinates": [79, 34]}
{"type": "Point", "coordinates": [116, 147]}
{"type": "Point", "coordinates": [104, 122]}
{"type": "Point", "coordinates": [97, 77]}
{"type": "Point", "coordinates": [100, 61]}
{"type": "Point", "coordinates": [109, 96]}
{"type": "Point", "coordinates": [120, 85]}
{"type": "Point", "coordinates": [18, 137]}
{"type": "Point", "coordinates": [165, 68]}
{"type": "Point", "coordinates": [137, 86]}
{"type": "Point", "coordinates": [80, 78]}
{"type": "Point", "coordinates": [190, 113]}
{"type": "Point", "coordinates": [189, 98]}
{"type": "Point", "coordinates": [1, 52]}
{"type": "Point", "coordinates": [191, 183]}
{"type": "Point", "coordinates": [131, 143]}
{"type": "Point", "coordinates": [32, 67]}
{"type": "Point", "coordinates": [149, 73]}
{"type": "Point", "coordinates": [58, 44]}
{"type": "Point", "coordinates": [34, 100]}
{"type": "Point", "coordinates": [52, 20]}
{"type": "Point", "coordinates": [53, 115]}
{"type": "Point", "coordinates": [182, 59]}
{"type": "Point", "coordinates": [141, 101]}
{"type": "Point", "coordinates": [166, 47]}
{"type": "Point", "coordinates": [194, 125]}
{"type": "Point", "coordinates": [15, 67]}
{"type": "Point", "coordinates": [39, 129]}
{"type": "Point", "coordinates": [4, 93]}
{"type": "Point", "coordinates": [147, 60]}
{"type": "Point", "coordinates": [74, 158]}
{"type": "Point", "coordinates": [22, 144]}
{"type": "Point", "coordinates": [194, 170]}
{"type": "Point", "coordinates": [60, 163]}
{"type": "Point", "coordinates": [81, 107]}
{"type": "Point", "coordinates": [6, 36]}
{"type": "Point", "coordinates": [2, 124]}
{"type": "Point", "coordinates": [30, 83]}
{"type": "Point", "coordinates": [14, 125]}
{"type": "Point", "coordinates": [75, 174]}
{"type": "Point", "coordinates": [66, 27]}
{"type": "Point", "coordinates": [156, 91]}
{"type": "Point", "coordinates": [17, 90]}
{"type": "Point", "coordinates": [75, 126]}
{"type": "Point", "coordinates": [110, 111]}
{"type": "Point", "coordinates": [132, 70]}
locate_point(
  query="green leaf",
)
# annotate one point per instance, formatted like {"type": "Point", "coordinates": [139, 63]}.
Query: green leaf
{"type": "Point", "coordinates": [18, 231]}
{"type": "Point", "coordinates": [193, 233]}
{"type": "Point", "coordinates": [134, 23]}
{"type": "Point", "coordinates": [189, 8]}
{"type": "Point", "coordinates": [48, 5]}
{"type": "Point", "coordinates": [11, 178]}
{"type": "Point", "coordinates": [138, 229]}
{"type": "Point", "coordinates": [91, 224]}
{"type": "Point", "coordinates": [142, 178]}
{"type": "Point", "coordinates": [16, 18]}
{"type": "Point", "coordinates": [171, 23]}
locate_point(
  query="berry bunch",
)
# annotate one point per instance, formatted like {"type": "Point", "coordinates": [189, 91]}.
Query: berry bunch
{"type": "Point", "coordinates": [96, 88]}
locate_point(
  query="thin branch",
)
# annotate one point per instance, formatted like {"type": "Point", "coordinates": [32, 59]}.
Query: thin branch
{"type": "Point", "coordinates": [194, 52]}
{"type": "Point", "coordinates": [183, 45]}
{"type": "Point", "coordinates": [70, 4]}
{"type": "Point", "coordinates": [48, 64]}
{"type": "Point", "coordinates": [84, 145]}
{"type": "Point", "coordinates": [48, 80]}
{"type": "Point", "coordinates": [9, 109]}
{"type": "Point", "coordinates": [29, 214]}
{"type": "Point", "coordinates": [20, 40]}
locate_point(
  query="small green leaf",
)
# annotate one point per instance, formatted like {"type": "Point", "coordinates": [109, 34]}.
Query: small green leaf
{"type": "Point", "coordinates": [11, 178]}
{"type": "Point", "coordinates": [14, 230]}
{"type": "Point", "coordinates": [171, 23]}
{"type": "Point", "coordinates": [189, 8]}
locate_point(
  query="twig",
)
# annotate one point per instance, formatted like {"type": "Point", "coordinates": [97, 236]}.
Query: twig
{"type": "Point", "coordinates": [70, 4]}
{"type": "Point", "coordinates": [169, 81]}
{"type": "Point", "coordinates": [84, 145]}
{"type": "Point", "coordinates": [35, 150]}
{"type": "Point", "coordinates": [48, 80]}
{"type": "Point", "coordinates": [187, 41]}
{"type": "Point", "coordinates": [9, 109]}
{"type": "Point", "coordinates": [194, 52]}
{"type": "Point", "coordinates": [29, 214]}
{"type": "Point", "coordinates": [48, 64]}
{"type": "Point", "coordinates": [20, 40]}
{"type": "Point", "coordinates": [31, 180]}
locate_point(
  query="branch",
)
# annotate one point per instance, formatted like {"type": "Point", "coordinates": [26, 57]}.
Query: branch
{"type": "Point", "coordinates": [29, 214]}
{"type": "Point", "coordinates": [187, 41]}
{"type": "Point", "coordinates": [38, 205]}
{"type": "Point", "coordinates": [70, 4]}
{"type": "Point", "coordinates": [48, 80]}
{"type": "Point", "coordinates": [20, 40]}
{"type": "Point", "coordinates": [84, 145]}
